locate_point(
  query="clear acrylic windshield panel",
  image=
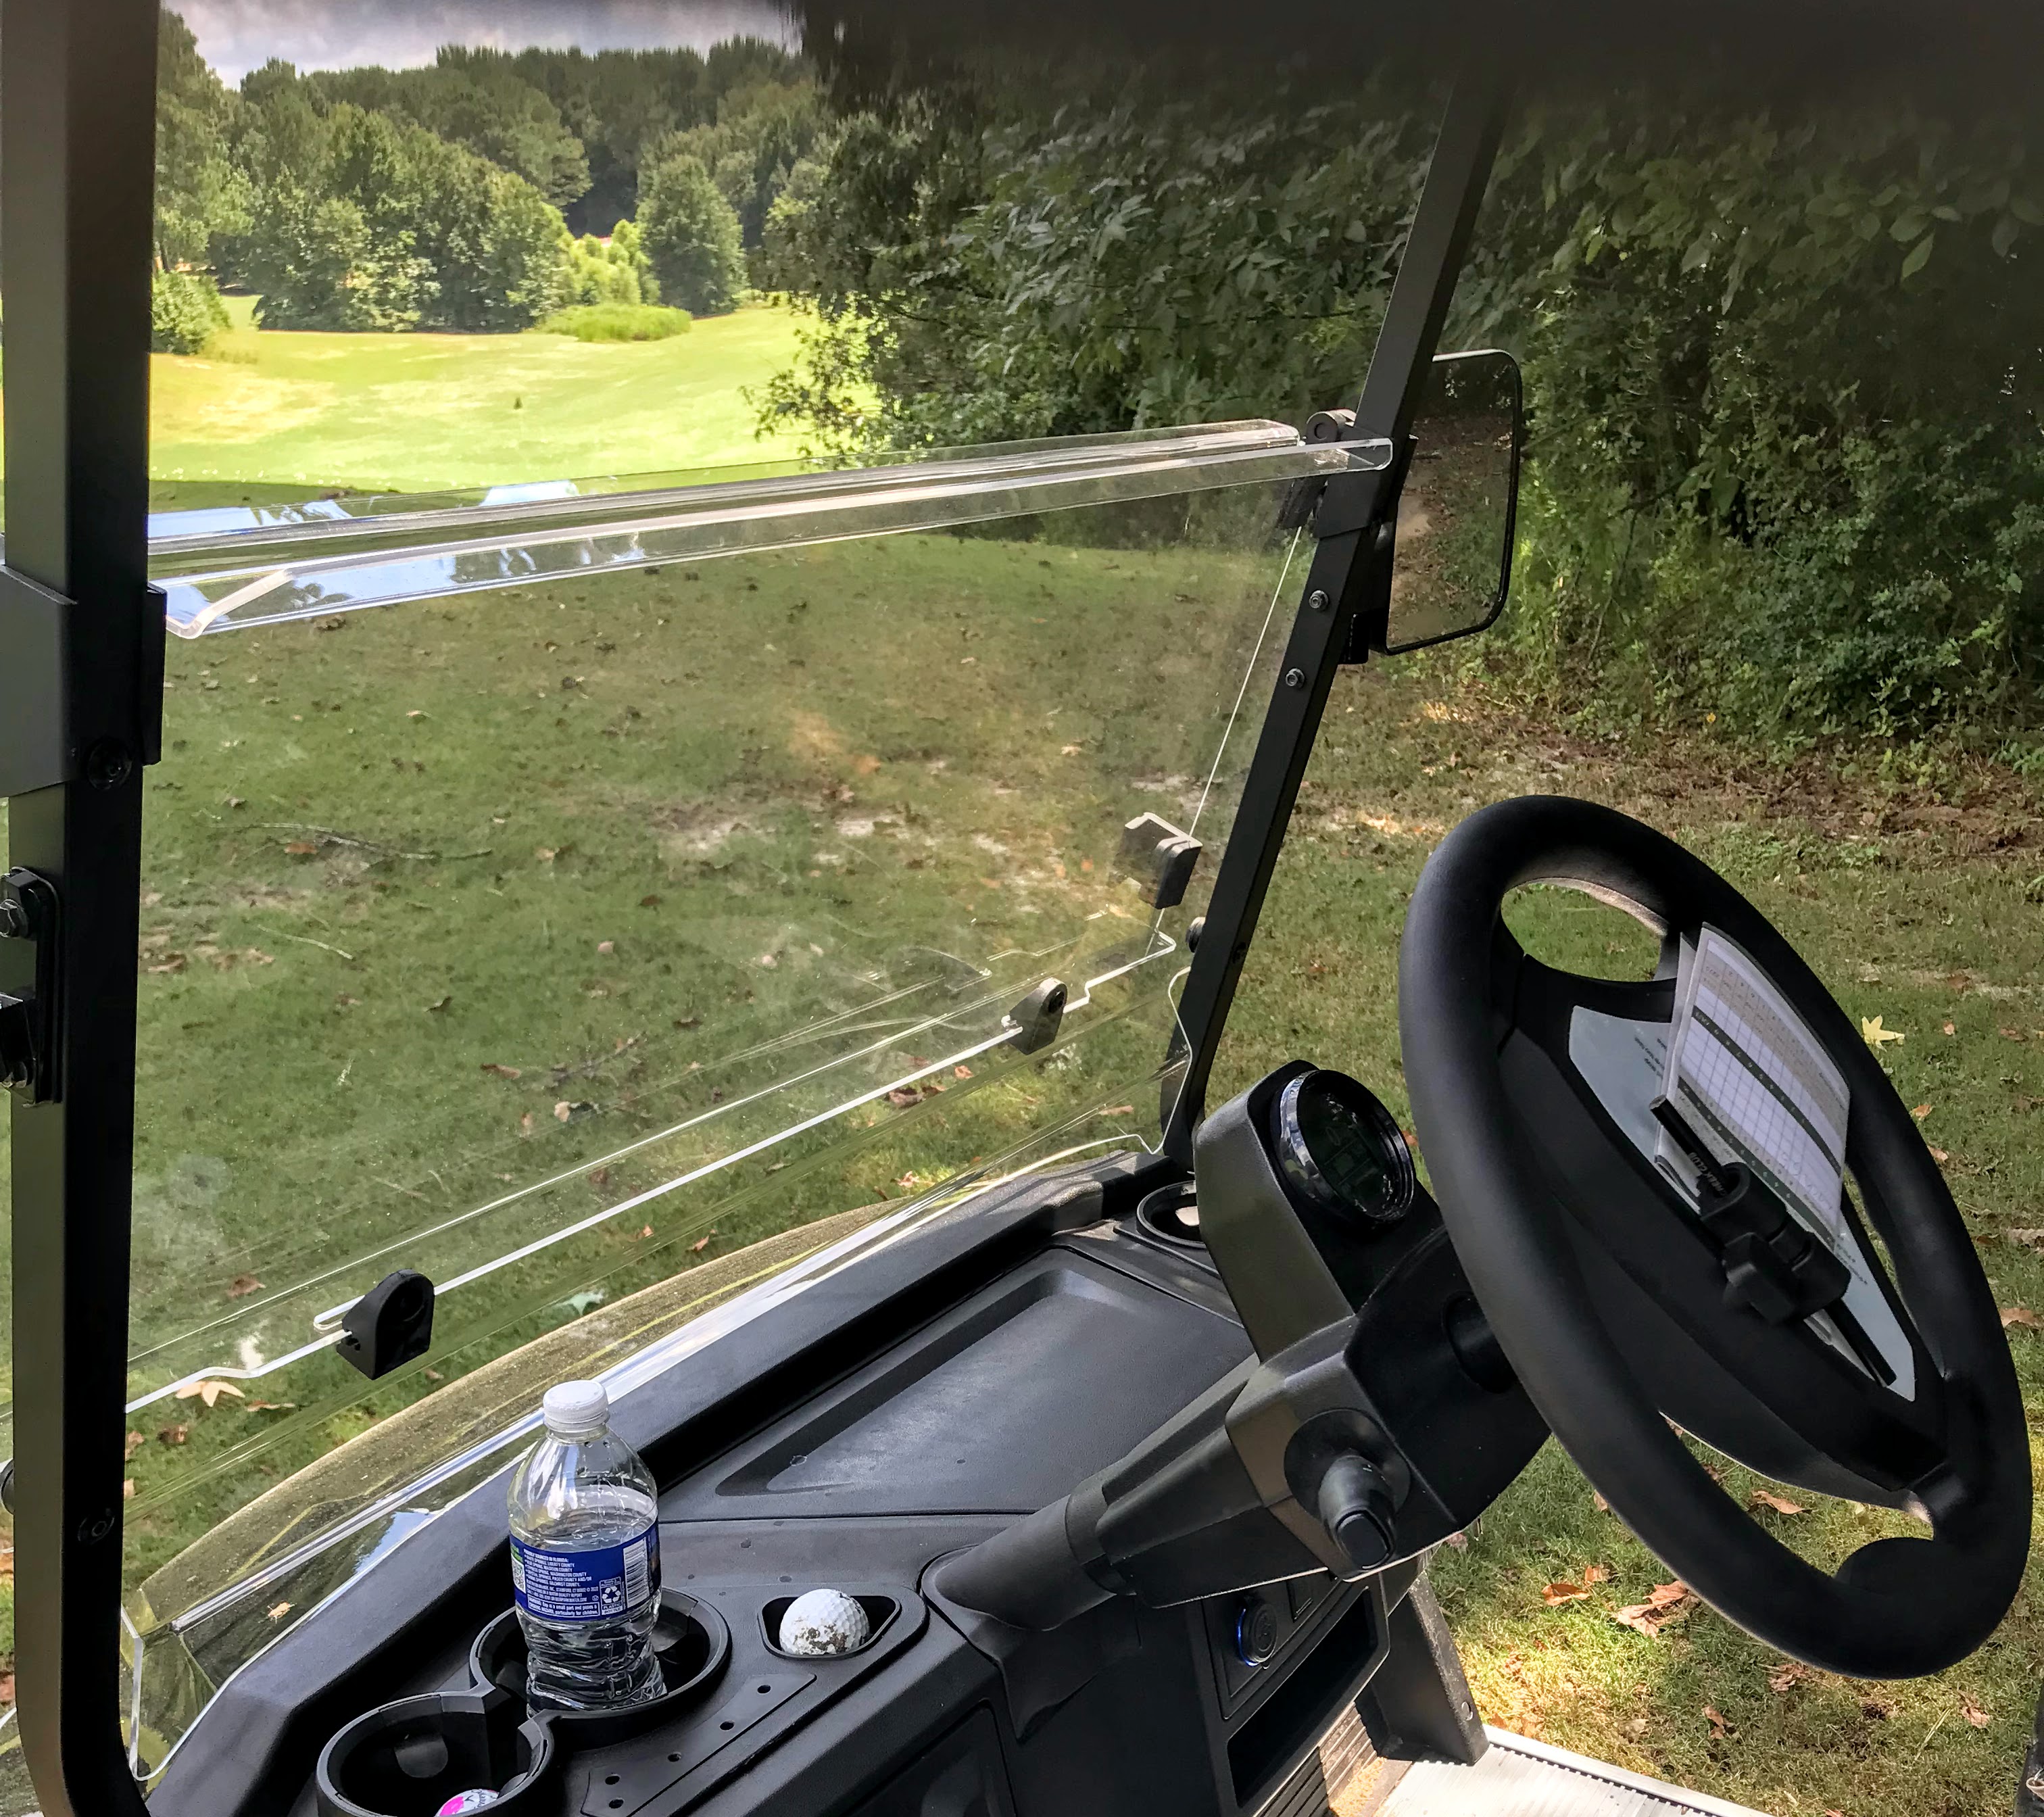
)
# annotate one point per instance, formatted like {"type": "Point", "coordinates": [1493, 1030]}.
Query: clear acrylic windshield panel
{"type": "Point", "coordinates": [614, 950]}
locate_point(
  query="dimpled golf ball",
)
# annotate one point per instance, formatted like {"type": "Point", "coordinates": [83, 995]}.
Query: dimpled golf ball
{"type": "Point", "coordinates": [822, 1621]}
{"type": "Point", "coordinates": [464, 1802]}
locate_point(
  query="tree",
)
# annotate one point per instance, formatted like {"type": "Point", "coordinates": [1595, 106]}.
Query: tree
{"type": "Point", "coordinates": [199, 193]}
{"type": "Point", "coordinates": [692, 238]}
{"type": "Point", "coordinates": [761, 132]}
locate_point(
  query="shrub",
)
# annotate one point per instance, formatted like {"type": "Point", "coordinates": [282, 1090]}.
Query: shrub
{"type": "Point", "coordinates": [692, 239]}
{"type": "Point", "coordinates": [185, 311]}
{"type": "Point", "coordinates": [618, 321]}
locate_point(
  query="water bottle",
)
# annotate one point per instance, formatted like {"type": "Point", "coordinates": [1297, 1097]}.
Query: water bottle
{"type": "Point", "coordinates": [586, 1560]}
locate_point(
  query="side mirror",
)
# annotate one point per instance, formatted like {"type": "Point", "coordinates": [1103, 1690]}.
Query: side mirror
{"type": "Point", "coordinates": [1452, 567]}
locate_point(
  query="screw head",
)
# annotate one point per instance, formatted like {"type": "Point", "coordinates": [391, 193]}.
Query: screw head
{"type": "Point", "coordinates": [1295, 678]}
{"type": "Point", "coordinates": [109, 763]}
{"type": "Point", "coordinates": [1318, 599]}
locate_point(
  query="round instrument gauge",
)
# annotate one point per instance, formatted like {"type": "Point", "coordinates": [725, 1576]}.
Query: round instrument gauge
{"type": "Point", "coordinates": [1341, 1151]}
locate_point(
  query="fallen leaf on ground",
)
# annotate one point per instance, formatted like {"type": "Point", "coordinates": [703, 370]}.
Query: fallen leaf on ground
{"type": "Point", "coordinates": [242, 1285]}
{"type": "Point", "coordinates": [1720, 1729]}
{"type": "Point", "coordinates": [1939, 1156]}
{"type": "Point", "coordinates": [2012, 1033]}
{"type": "Point", "coordinates": [2021, 1315]}
{"type": "Point", "coordinates": [1563, 1592]}
{"type": "Point", "coordinates": [1664, 1602]}
{"type": "Point", "coordinates": [1875, 1037]}
{"type": "Point", "coordinates": [434, 1375]}
{"type": "Point", "coordinates": [209, 1392]}
{"type": "Point", "coordinates": [700, 1243]}
{"type": "Point", "coordinates": [562, 1110]}
{"type": "Point", "coordinates": [649, 902]}
{"type": "Point", "coordinates": [1976, 1717]}
{"type": "Point", "coordinates": [1780, 1504]}
{"type": "Point", "coordinates": [279, 1611]}
{"type": "Point", "coordinates": [302, 848]}
{"type": "Point", "coordinates": [1595, 1574]}
{"type": "Point", "coordinates": [901, 1098]}
{"type": "Point", "coordinates": [1789, 1674]}
{"type": "Point", "coordinates": [134, 1445]}
{"type": "Point", "coordinates": [1458, 1541]}
{"type": "Point", "coordinates": [2029, 1239]}
{"type": "Point", "coordinates": [270, 1406]}
{"type": "Point", "coordinates": [1603, 1507]}
{"type": "Point", "coordinates": [545, 854]}
{"type": "Point", "coordinates": [1921, 1111]}
{"type": "Point", "coordinates": [174, 1434]}
{"type": "Point", "coordinates": [599, 1178]}
{"type": "Point", "coordinates": [1950, 1029]}
{"type": "Point", "coordinates": [128, 1488]}
{"type": "Point", "coordinates": [961, 1072]}
{"type": "Point", "coordinates": [645, 1231]}
{"type": "Point", "coordinates": [498, 1070]}
{"type": "Point", "coordinates": [174, 964]}
{"type": "Point", "coordinates": [606, 948]}
{"type": "Point", "coordinates": [525, 1123]}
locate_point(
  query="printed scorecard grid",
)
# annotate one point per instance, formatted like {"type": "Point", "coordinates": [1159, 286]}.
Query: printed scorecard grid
{"type": "Point", "coordinates": [1753, 1077]}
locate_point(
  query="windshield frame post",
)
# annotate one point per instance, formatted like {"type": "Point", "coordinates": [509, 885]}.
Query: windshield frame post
{"type": "Point", "coordinates": [78, 82]}
{"type": "Point", "coordinates": [1349, 570]}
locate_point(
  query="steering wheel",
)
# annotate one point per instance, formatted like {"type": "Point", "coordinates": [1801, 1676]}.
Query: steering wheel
{"type": "Point", "coordinates": [1624, 1307]}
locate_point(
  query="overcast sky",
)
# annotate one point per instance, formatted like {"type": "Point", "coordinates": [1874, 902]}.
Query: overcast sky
{"type": "Point", "coordinates": [237, 36]}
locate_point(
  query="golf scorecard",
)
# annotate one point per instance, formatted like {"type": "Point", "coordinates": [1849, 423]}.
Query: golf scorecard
{"type": "Point", "coordinates": [1754, 1086]}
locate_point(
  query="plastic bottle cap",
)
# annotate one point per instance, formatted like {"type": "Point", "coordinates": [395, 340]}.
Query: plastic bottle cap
{"type": "Point", "coordinates": [577, 1407]}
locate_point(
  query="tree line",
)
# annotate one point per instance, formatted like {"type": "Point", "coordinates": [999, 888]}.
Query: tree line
{"type": "Point", "coordinates": [1784, 375]}
{"type": "Point", "coordinates": [469, 195]}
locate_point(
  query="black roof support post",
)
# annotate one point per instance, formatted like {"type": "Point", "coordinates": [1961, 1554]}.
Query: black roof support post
{"type": "Point", "coordinates": [1346, 575]}
{"type": "Point", "coordinates": [81, 665]}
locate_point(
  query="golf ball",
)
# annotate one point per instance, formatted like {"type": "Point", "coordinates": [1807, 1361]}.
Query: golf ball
{"type": "Point", "coordinates": [823, 1622]}
{"type": "Point", "coordinates": [464, 1802]}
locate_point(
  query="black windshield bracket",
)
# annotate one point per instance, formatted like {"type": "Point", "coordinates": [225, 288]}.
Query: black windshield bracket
{"type": "Point", "coordinates": [29, 986]}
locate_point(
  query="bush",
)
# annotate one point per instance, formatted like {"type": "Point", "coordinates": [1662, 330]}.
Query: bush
{"type": "Point", "coordinates": [692, 238]}
{"type": "Point", "coordinates": [185, 311]}
{"type": "Point", "coordinates": [618, 321]}
{"type": "Point", "coordinates": [617, 273]}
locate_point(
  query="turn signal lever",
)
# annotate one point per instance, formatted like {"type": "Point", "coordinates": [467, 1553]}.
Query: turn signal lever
{"type": "Point", "coordinates": [1377, 1418]}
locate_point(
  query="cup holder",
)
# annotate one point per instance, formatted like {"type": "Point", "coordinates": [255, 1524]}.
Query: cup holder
{"type": "Point", "coordinates": [408, 1758]}
{"type": "Point", "coordinates": [1172, 1214]}
{"type": "Point", "coordinates": [690, 1640]}
{"type": "Point", "coordinates": [880, 1611]}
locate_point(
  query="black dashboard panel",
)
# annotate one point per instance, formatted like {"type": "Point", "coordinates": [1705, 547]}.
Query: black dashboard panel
{"type": "Point", "coordinates": [903, 1409]}
{"type": "Point", "coordinates": [977, 1411]}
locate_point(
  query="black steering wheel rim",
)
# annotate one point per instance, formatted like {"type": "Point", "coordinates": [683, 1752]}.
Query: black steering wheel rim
{"type": "Point", "coordinates": [1897, 1607]}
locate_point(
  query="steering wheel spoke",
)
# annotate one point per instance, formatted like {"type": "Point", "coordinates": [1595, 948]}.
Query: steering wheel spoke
{"type": "Point", "coordinates": [1639, 1271]}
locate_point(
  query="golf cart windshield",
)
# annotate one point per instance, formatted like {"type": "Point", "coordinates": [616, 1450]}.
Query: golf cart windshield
{"type": "Point", "coordinates": [617, 951]}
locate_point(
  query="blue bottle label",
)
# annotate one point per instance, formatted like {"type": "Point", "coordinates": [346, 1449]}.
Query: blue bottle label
{"type": "Point", "coordinates": [599, 1584]}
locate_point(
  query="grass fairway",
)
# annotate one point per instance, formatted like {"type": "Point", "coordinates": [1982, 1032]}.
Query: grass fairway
{"type": "Point", "coordinates": [419, 412]}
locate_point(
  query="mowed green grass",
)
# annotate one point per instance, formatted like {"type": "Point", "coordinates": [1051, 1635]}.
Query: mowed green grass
{"type": "Point", "coordinates": [422, 412]}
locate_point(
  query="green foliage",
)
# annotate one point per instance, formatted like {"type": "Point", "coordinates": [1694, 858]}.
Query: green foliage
{"type": "Point", "coordinates": [760, 134]}
{"type": "Point", "coordinates": [185, 311]}
{"type": "Point", "coordinates": [692, 238]}
{"type": "Point", "coordinates": [1784, 383]}
{"type": "Point", "coordinates": [362, 222]}
{"type": "Point", "coordinates": [199, 192]}
{"type": "Point", "coordinates": [619, 272]}
{"type": "Point", "coordinates": [618, 321]}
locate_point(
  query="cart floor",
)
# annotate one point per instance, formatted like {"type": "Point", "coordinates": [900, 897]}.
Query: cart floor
{"type": "Point", "coordinates": [1523, 1778]}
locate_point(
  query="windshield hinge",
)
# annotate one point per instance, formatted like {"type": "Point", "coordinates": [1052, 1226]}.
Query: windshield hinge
{"type": "Point", "coordinates": [46, 738]}
{"type": "Point", "coordinates": [29, 918]}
